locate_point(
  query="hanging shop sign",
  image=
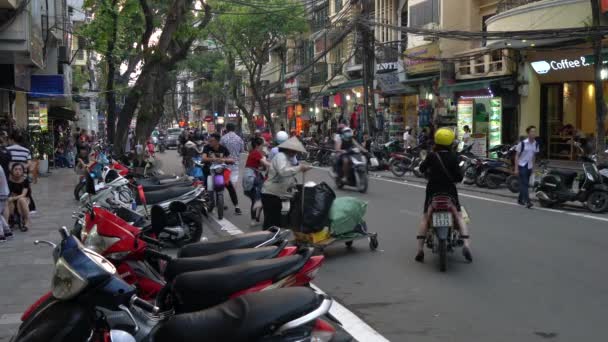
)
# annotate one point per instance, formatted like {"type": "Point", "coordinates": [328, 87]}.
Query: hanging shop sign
{"type": "Point", "coordinates": [208, 118]}
{"type": "Point", "coordinates": [44, 117]}
{"type": "Point", "coordinates": [421, 59]}
{"type": "Point", "coordinates": [33, 116]}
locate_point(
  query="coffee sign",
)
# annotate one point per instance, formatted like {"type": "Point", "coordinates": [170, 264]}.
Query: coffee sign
{"type": "Point", "coordinates": [544, 67]}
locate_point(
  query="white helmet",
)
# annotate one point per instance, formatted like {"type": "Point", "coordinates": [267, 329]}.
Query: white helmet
{"type": "Point", "coordinates": [281, 137]}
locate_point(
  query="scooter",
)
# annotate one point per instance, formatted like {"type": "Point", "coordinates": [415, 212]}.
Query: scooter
{"type": "Point", "coordinates": [495, 172]}
{"type": "Point", "coordinates": [86, 284]}
{"type": "Point", "coordinates": [556, 187]}
{"type": "Point", "coordinates": [216, 183]}
{"type": "Point", "coordinates": [401, 163]}
{"type": "Point", "coordinates": [357, 177]}
{"type": "Point", "coordinates": [443, 237]}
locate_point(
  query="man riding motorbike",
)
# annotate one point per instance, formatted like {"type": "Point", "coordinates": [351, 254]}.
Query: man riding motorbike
{"type": "Point", "coordinates": [344, 143]}
{"type": "Point", "coordinates": [443, 172]}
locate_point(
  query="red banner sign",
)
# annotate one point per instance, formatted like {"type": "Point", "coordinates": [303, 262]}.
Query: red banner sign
{"type": "Point", "coordinates": [604, 6]}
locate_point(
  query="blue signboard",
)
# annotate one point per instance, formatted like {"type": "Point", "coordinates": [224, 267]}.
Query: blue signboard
{"type": "Point", "coordinates": [46, 86]}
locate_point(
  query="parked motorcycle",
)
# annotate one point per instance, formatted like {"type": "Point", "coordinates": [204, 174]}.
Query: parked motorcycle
{"type": "Point", "coordinates": [495, 172]}
{"type": "Point", "coordinates": [162, 145]}
{"type": "Point", "coordinates": [443, 237]}
{"type": "Point", "coordinates": [556, 187]}
{"type": "Point", "coordinates": [357, 176]}
{"type": "Point", "coordinates": [85, 282]}
{"type": "Point", "coordinates": [409, 161]}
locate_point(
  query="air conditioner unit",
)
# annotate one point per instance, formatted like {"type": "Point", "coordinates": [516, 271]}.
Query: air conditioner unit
{"type": "Point", "coordinates": [430, 26]}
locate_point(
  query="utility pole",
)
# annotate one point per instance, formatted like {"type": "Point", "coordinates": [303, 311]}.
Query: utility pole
{"type": "Point", "coordinates": [368, 60]}
{"type": "Point", "coordinates": [600, 105]}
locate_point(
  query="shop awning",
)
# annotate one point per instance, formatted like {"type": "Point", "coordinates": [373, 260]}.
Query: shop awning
{"type": "Point", "coordinates": [420, 80]}
{"type": "Point", "coordinates": [62, 113]}
{"type": "Point", "coordinates": [389, 85]}
{"type": "Point", "coordinates": [344, 86]}
{"type": "Point", "coordinates": [472, 85]}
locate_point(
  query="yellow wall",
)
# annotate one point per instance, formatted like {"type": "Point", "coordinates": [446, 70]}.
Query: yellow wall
{"type": "Point", "coordinates": [570, 103]}
{"type": "Point", "coordinates": [540, 15]}
{"type": "Point", "coordinates": [588, 108]}
{"type": "Point", "coordinates": [530, 105]}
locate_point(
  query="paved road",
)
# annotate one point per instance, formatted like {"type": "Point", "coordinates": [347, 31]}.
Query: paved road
{"type": "Point", "coordinates": [537, 275]}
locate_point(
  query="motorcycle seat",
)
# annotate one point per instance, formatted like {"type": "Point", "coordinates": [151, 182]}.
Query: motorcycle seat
{"type": "Point", "coordinates": [567, 176]}
{"type": "Point", "coordinates": [246, 318]}
{"type": "Point", "coordinates": [232, 257]}
{"type": "Point", "coordinates": [155, 197]}
{"type": "Point", "coordinates": [148, 188]}
{"type": "Point", "coordinates": [248, 240]}
{"type": "Point", "coordinates": [198, 290]}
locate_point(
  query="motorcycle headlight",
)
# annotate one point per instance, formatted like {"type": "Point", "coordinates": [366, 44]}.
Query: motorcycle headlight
{"type": "Point", "coordinates": [98, 243]}
{"type": "Point", "coordinates": [66, 283]}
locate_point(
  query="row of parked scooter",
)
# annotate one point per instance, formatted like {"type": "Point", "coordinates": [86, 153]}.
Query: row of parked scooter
{"type": "Point", "coordinates": [113, 282]}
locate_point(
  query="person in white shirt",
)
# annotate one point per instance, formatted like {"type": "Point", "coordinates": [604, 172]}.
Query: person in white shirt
{"type": "Point", "coordinates": [524, 165]}
{"type": "Point", "coordinates": [466, 136]}
{"type": "Point", "coordinates": [408, 139]}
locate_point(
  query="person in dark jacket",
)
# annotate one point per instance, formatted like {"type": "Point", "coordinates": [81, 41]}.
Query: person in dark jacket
{"type": "Point", "coordinates": [443, 172]}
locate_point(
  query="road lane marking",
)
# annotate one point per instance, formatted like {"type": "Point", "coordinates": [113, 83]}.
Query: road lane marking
{"type": "Point", "coordinates": [466, 195]}
{"type": "Point", "coordinates": [352, 324]}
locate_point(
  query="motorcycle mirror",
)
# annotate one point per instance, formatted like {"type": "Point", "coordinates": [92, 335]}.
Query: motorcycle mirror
{"type": "Point", "coordinates": [90, 185]}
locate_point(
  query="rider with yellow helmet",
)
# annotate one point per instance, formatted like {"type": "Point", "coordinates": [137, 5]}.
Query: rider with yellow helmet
{"type": "Point", "coordinates": [443, 172]}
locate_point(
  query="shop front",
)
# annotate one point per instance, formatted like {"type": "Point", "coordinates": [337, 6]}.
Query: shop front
{"type": "Point", "coordinates": [565, 110]}
{"type": "Point", "coordinates": [488, 107]}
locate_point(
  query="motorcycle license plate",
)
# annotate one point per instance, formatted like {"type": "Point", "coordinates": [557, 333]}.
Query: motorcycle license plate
{"type": "Point", "coordinates": [443, 219]}
{"type": "Point", "coordinates": [374, 162]}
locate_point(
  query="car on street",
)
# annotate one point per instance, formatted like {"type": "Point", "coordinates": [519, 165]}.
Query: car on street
{"type": "Point", "coordinates": [173, 137]}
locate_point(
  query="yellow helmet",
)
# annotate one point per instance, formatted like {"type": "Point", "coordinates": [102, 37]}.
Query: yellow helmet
{"type": "Point", "coordinates": [444, 137]}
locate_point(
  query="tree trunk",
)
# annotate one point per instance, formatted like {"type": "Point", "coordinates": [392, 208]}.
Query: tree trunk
{"type": "Point", "coordinates": [600, 105]}
{"type": "Point", "coordinates": [110, 95]}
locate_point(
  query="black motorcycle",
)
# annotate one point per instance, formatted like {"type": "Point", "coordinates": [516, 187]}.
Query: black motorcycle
{"type": "Point", "coordinates": [497, 171]}
{"type": "Point", "coordinates": [556, 187]}
{"type": "Point", "coordinates": [162, 145]}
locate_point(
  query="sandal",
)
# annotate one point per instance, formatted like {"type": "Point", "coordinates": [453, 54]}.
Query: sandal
{"type": "Point", "coordinates": [419, 257]}
{"type": "Point", "coordinates": [466, 252]}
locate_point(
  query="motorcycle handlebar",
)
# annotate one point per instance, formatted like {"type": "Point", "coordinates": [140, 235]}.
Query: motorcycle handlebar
{"type": "Point", "coordinates": [142, 304]}
{"type": "Point", "coordinates": [155, 254]}
{"type": "Point", "coordinates": [150, 240]}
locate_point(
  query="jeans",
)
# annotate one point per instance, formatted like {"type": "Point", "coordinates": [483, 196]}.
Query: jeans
{"type": "Point", "coordinates": [524, 184]}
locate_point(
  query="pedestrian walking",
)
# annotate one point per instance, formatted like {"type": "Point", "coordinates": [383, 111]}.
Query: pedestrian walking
{"type": "Point", "coordinates": [253, 178]}
{"type": "Point", "coordinates": [524, 164]}
{"type": "Point", "coordinates": [236, 146]}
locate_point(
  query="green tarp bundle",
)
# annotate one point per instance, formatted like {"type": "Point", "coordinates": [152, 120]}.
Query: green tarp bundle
{"type": "Point", "coordinates": [345, 214]}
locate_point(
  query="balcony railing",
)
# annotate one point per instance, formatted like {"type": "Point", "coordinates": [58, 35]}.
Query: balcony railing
{"type": "Point", "coordinates": [387, 53]}
{"type": "Point", "coordinates": [319, 76]}
{"type": "Point", "coordinates": [505, 5]}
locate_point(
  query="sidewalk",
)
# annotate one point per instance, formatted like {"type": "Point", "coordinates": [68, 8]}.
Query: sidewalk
{"type": "Point", "coordinates": [26, 269]}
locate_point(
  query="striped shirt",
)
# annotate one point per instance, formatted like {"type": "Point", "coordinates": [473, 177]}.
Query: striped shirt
{"type": "Point", "coordinates": [19, 154]}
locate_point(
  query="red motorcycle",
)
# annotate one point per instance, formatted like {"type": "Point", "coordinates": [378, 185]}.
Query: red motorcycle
{"type": "Point", "coordinates": [214, 278]}
{"type": "Point", "coordinates": [444, 236]}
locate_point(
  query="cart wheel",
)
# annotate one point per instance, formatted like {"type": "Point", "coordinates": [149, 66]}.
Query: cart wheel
{"type": "Point", "coordinates": [349, 244]}
{"type": "Point", "coordinates": [373, 242]}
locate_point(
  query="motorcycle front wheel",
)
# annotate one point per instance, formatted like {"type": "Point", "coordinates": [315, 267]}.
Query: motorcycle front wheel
{"type": "Point", "coordinates": [598, 202]}
{"type": "Point", "coordinates": [219, 203]}
{"type": "Point", "coordinates": [79, 190]}
{"type": "Point", "coordinates": [363, 182]}
{"type": "Point", "coordinates": [398, 168]}
{"type": "Point", "coordinates": [480, 181]}
{"type": "Point", "coordinates": [513, 184]}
